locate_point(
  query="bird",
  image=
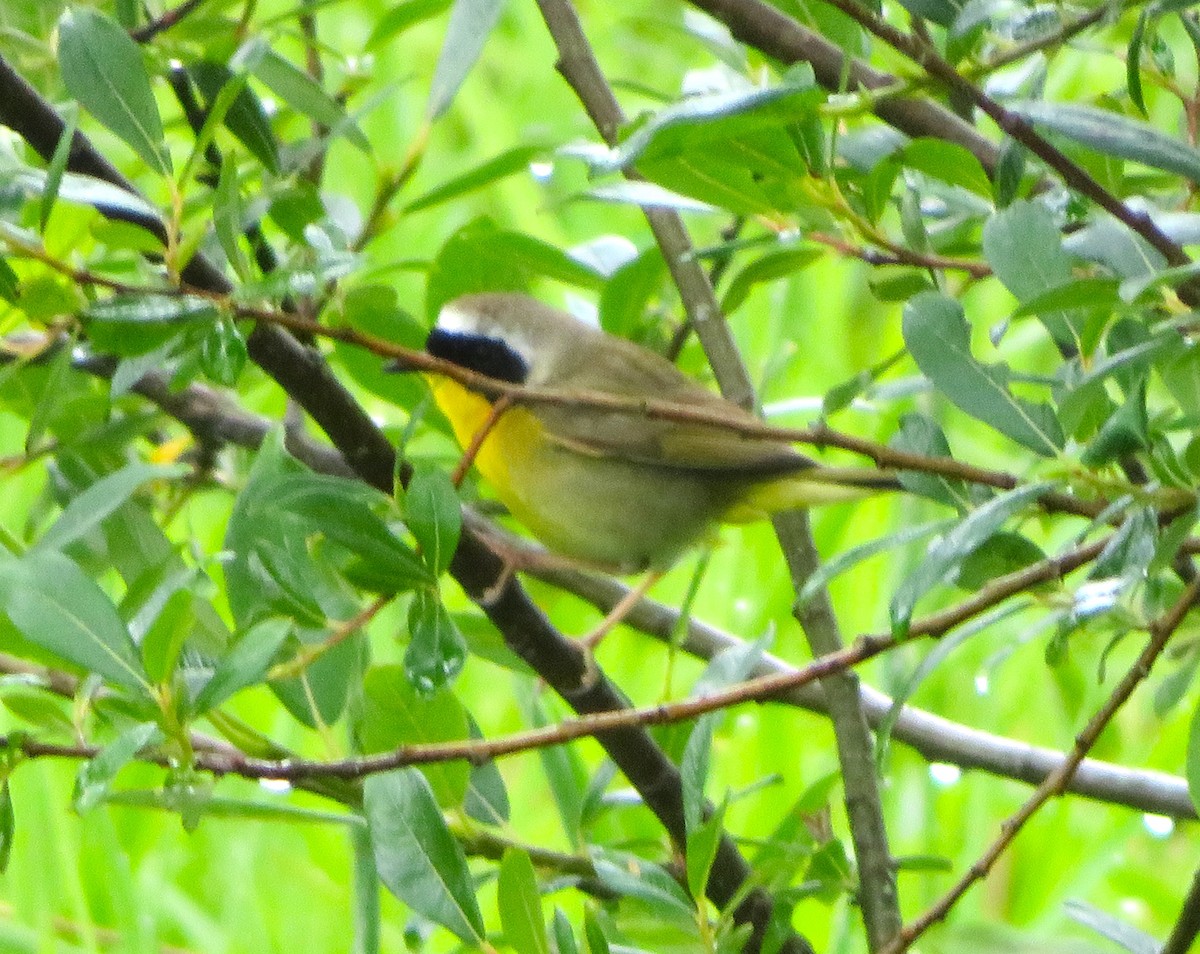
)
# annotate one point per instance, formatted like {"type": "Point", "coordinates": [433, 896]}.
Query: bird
{"type": "Point", "coordinates": [612, 487]}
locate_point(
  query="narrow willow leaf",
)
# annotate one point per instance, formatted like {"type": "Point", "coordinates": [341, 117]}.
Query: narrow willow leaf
{"type": "Point", "coordinates": [693, 770]}
{"type": "Point", "coordinates": [564, 937]}
{"type": "Point", "coordinates": [945, 553]}
{"type": "Point", "coordinates": [103, 69]}
{"type": "Point", "coordinates": [417, 858]}
{"type": "Point", "coordinates": [96, 775]}
{"type": "Point", "coordinates": [8, 825]}
{"type": "Point", "coordinates": [1120, 932]}
{"type": "Point", "coordinates": [245, 118]}
{"type": "Point", "coordinates": [702, 844]}
{"type": "Point", "coordinates": [55, 605]}
{"type": "Point", "coordinates": [366, 910]}
{"type": "Point", "coordinates": [402, 16]}
{"type": "Point", "coordinates": [436, 650]}
{"type": "Point", "coordinates": [300, 91]}
{"type": "Point", "coordinates": [434, 516]}
{"type": "Point", "coordinates": [88, 510]}
{"type": "Point", "coordinates": [56, 169]}
{"type": "Point", "coordinates": [151, 309]}
{"type": "Point", "coordinates": [857, 554]}
{"type": "Point", "coordinates": [939, 340]}
{"type": "Point", "coordinates": [471, 23]}
{"type": "Point", "coordinates": [1024, 246]}
{"type": "Point", "coordinates": [520, 904]}
{"type": "Point", "coordinates": [1114, 135]}
{"type": "Point", "coordinates": [245, 664]}
{"type": "Point", "coordinates": [646, 881]}
{"type": "Point", "coordinates": [506, 164]}
{"type": "Point", "coordinates": [395, 714]}
{"type": "Point", "coordinates": [82, 190]}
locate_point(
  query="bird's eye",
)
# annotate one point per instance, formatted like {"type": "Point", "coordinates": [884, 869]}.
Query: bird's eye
{"type": "Point", "coordinates": [487, 355]}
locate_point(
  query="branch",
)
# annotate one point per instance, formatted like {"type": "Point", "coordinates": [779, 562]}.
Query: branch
{"type": "Point", "coordinates": [1187, 927]}
{"type": "Point", "coordinates": [936, 738]}
{"type": "Point", "coordinates": [1071, 173]}
{"type": "Point", "coordinates": [306, 378]}
{"type": "Point", "coordinates": [768, 29]}
{"type": "Point", "coordinates": [877, 894]}
{"type": "Point", "coordinates": [1055, 783]}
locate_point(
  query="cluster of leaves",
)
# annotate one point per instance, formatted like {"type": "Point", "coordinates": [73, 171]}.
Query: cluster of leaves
{"type": "Point", "coordinates": [1090, 387]}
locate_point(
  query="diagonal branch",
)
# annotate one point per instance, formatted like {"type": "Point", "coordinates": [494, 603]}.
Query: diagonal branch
{"type": "Point", "coordinates": [877, 892]}
{"type": "Point", "coordinates": [305, 377]}
{"type": "Point", "coordinates": [1055, 784]}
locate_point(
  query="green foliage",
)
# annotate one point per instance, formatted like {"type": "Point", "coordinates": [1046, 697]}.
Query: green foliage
{"type": "Point", "coordinates": [203, 569]}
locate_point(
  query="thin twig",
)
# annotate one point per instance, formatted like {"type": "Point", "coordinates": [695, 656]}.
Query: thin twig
{"type": "Point", "coordinates": [148, 31]}
{"type": "Point", "coordinates": [1055, 783]}
{"type": "Point", "coordinates": [1187, 926]}
{"type": "Point", "coordinates": [877, 895]}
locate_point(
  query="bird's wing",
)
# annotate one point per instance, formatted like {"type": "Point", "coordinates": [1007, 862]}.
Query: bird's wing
{"type": "Point", "coordinates": [636, 437]}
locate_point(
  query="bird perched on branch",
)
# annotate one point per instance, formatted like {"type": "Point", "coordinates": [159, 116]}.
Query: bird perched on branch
{"type": "Point", "coordinates": [613, 486]}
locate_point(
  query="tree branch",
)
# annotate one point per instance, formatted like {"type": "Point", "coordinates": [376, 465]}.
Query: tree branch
{"type": "Point", "coordinates": [1055, 783]}
{"type": "Point", "coordinates": [877, 893]}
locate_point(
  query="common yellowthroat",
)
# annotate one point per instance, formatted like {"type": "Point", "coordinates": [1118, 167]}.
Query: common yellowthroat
{"type": "Point", "coordinates": [615, 488]}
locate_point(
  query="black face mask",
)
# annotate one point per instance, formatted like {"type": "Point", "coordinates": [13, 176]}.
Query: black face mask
{"type": "Point", "coordinates": [487, 355]}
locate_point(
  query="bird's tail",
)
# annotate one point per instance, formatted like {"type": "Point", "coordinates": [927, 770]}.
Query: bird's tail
{"type": "Point", "coordinates": [810, 487]}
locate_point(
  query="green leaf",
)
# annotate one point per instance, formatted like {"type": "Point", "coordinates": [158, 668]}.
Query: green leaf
{"type": "Point", "coordinates": [1010, 171]}
{"type": "Point", "coordinates": [245, 664]}
{"type": "Point", "coordinates": [245, 118]}
{"type": "Point", "coordinates": [8, 824]}
{"type": "Point", "coordinates": [223, 353]}
{"type": "Point", "coordinates": [1114, 135]}
{"type": "Point", "coordinates": [637, 878]}
{"type": "Point", "coordinates": [434, 516]}
{"type": "Point", "coordinates": [96, 775]}
{"type": "Point", "coordinates": [944, 555]}
{"type": "Point", "coordinates": [1093, 292]}
{"type": "Point", "coordinates": [9, 283]}
{"type": "Point", "coordinates": [151, 309]}
{"type": "Point", "coordinates": [436, 650]}
{"type": "Point", "coordinates": [693, 770]}
{"type": "Point", "coordinates": [88, 510]}
{"type": "Point", "coordinates": [394, 714]}
{"type": "Point", "coordinates": [402, 16]}
{"type": "Point", "coordinates": [520, 904]}
{"type": "Point", "coordinates": [1023, 245]}
{"type": "Point", "coordinates": [103, 69]}
{"type": "Point", "coordinates": [417, 858]}
{"type": "Point", "coordinates": [56, 169]}
{"type": "Point", "coordinates": [471, 22]}
{"type": "Point", "coordinates": [564, 937]}
{"type": "Point", "coordinates": [1192, 763]}
{"type": "Point", "coordinates": [481, 257]}
{"type": "Point", "coordinates": [919, 434]}
{"type": "Point", "coordinates": [300, 91]}
{"type": "Point", "coordinates": [939, 340]}
{"type": "Point", "coordinates": [1133, 60]}
{"type": "Point", "coordinates": [702, 844]}
{"type": "Point", "coordinates": [227, 217]}
{"type": "Point", "coordinates": [948, 162]}
{"type": "Point", "coordinates": [55, 605]}
{"type": "Point", "coordinates": [83, 190]}
{"type": "Point", "coordinates": [829, 569]}
{"type": "Point", "coordinates": [367, 918]}
{"type": "Point", "coordinates": [1125, 935]}
{"type": "Point", "coordinates": [746, 151]}
{"type": "Point", "coordinates": [506, 164]}
{"type": "Point", "coordinates": [1005, 551]}
{"type": "Point", "coordinates": [776, 263]}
